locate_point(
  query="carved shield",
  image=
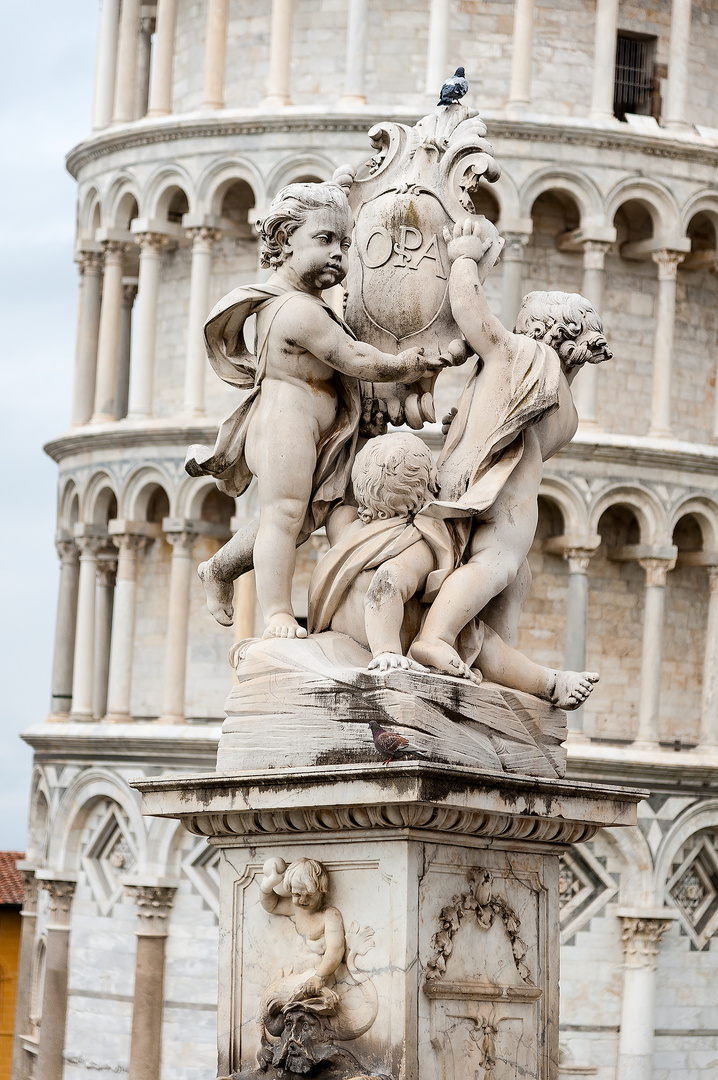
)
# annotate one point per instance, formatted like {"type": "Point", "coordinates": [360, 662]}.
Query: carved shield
{"type": "Point", "coordinates": [419, 183]}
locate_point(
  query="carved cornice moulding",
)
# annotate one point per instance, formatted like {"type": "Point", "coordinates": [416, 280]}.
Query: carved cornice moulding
{"type": "Point", "coordinates": [144, 133]}
{"type": "Point", "coordinates": [402, 796]}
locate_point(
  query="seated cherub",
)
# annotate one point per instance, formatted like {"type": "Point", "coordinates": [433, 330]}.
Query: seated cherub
{"type": "Point", "coordinates": [387, 562]}
{"type": "Point", "coordinates": [298, 891]}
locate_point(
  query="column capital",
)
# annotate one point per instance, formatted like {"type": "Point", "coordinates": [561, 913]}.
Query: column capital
{"type": "Point", "coordinates": [90, 545]}
{"type": "Point", "coordinates": [154, 904]}
{"type": "Point", "coordinates": [182, 541]}
{"type": "Point", "coordinates": [152, 243]}
{"type": "Point", "coordinates": [641, 936]}
{"type": "Point", "coordinates": [106, 568]}
{"type": "Point", "coordinates": [147, 24]}
{"type": "Point", "coordinates": [203, 237]}
{"type": "Point", "coordinates": [575, 549]}
{"type": "Point", "coordinates": [66, 547]}
{"type": "Point", "coordinates": [656, 570]}
{"type": "Point", "coordinates": [514, 245]}
{"type": "Point", "coordinates": [29, 886]}
{"type": "Point", "coordinates": [114, 251]}
{"type": "Point", "coordinates": [89, 262]}
{"type": "Point", "coordinates": [667, 262]}
{"type": "Point", "coordinates": [129, 292]}
{"type": "Point", "coordinates": [60, 892]}
{"type": "Point", "coordinates": [594, 254]}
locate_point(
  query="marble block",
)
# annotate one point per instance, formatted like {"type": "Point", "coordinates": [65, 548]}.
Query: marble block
{"type": "Point", "coordinates": [444, 884]}
{"type": "Point", "coordinates": [309, 702]}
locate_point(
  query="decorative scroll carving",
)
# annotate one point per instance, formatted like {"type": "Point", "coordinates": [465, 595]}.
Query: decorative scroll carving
{"type": "Point", "coordinates": [480, 902]}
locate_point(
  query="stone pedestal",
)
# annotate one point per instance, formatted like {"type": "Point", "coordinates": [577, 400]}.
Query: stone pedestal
{"type": "Point", "coordinates": [444, 882]}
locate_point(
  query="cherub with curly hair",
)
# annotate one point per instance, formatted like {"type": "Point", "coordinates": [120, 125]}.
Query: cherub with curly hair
{"type": "Point", "coordinates": [296, 430]}
{"type": "Point", "coordinates": [515, 412]}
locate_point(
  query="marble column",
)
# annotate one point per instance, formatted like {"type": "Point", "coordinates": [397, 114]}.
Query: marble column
{"type": "Point", "coordinates": [161, 89]}
{"type": "Point", "coordinates": [106, 573]}
{"type": "Point", "coordinates": [709, 703]}
{"type": "Point", "coordinates": [144, 63]}
{"type": "Point", "coordinates": [153, 909]}
{"type": "Point", "coordinates": [203, 240]}
{"type": "Point", "coordinates": [122, 389]}
{"type": "Point", "coordinates": [355, 70]}
{"type": "Point", "coordinates": [667, 262]}
{"type": "Point", "coordinates": [142, 363]}
{"type": "Point", "coordinates": [49, 1065]}
{"type": "Point", "coordinates": [109, 332]}
{"type": "Point", "coordinates": [641, 938]}
{"type": "Point", "coordinates": [215, 52]}
{"type": "Point", "coordinates": [88, 327]}
{"type": "Point", "coordinates": [106, 64]}
{"type": "Point", "coordinates": [123, 627]}
{"type": "Point", "coordinates": [24, 974]}
{"type": "Point", "coordinates": [604, 61]}
{"type": "Point", "coordinates": [84, 663]}
{"type": "Point", "coordinates": [177, 626]}
{"type": "Point", "coordinates": [436, 57]}
{"type": "Point", "coordinates": [280, 54]}
{"type": "Point", "coordinates": [65, 623]}
{"type": "Point", "coordinates": [654, 603]}
{"type": "Point", "coordinates": [520, 88]}
{"type": "Point", "coordinates": [577, 619]}
{"type": "Point", "coordinates": [674, 117]}
{"type": "Point", "coordinates": [126, 84]}
{"type": "Point", "coordinates": [512, 283]}
{"type": "Point", "coordinates": [584, 387]}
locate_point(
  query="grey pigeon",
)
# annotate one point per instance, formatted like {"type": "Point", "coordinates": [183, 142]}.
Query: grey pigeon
{"type": "Point", "coordinates": [390, 743]}
{"type": "Point", "coordinates": [454, 88]}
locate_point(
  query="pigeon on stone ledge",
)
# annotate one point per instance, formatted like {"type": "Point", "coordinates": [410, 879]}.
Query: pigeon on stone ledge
{"type": "Point", "coordinates": [389, 744]}
{"type": "Point", "coordinates": [454, 88]}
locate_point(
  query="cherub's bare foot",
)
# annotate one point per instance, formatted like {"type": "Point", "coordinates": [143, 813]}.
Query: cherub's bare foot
{"type": "Point", "coordinates": [441, 657]}
{"type": "Point", "coordinates": [572, 688]}
{"type": "Point", "coordinates": [284, 625]}
{"type": "Point", "coordinates": [220, 594]}
{"type": "Point", "coordinates": [389, 661]}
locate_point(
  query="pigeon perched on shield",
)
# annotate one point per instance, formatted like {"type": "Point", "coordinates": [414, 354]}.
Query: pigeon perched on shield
{"type": "Point", "coordinates": [454, 88]}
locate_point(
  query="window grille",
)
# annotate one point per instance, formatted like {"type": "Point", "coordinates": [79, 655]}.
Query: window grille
{"type": "Point", "coordinates": [635, 81]}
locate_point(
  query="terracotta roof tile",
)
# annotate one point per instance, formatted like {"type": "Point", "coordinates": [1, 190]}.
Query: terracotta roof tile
{"type": "Point", "coordinates": [11, 888]}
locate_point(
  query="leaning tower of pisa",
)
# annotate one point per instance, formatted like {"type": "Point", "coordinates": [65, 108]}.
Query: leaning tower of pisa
{"type": "Point", "coordinates": [604, 117]}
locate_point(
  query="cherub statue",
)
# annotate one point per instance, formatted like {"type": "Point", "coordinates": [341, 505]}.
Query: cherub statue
{"type": "Point", "coordinates": [387, 556]}
{"type": "Point", "coordinates": [298, 891]}
{"type": "Point", "coordinates": [296, 430]}
{"type": "Point", "coordinates": [515, 412]}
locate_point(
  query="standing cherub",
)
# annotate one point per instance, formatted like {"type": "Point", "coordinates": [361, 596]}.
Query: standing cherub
{"type": "Point", "coordinates": [296, 431]}
{"type": "Point", "coordinates": [298, 891]}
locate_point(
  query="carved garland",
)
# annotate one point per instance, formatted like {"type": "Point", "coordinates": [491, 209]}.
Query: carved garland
{"type": "Point", "coordinates": [479, 901]}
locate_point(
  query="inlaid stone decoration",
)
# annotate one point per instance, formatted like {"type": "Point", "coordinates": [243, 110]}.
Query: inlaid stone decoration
{"type": "Point", "coordinates": [109, 856]}
{"type": "Point", "coordinates": [693, 888]}
{"type": "Point", "coordinates": [584, 888]}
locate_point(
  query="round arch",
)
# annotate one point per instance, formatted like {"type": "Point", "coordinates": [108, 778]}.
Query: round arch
{"type": "Point", "coordinates": [703, 202]}
{"type": "Point", "coordinates": [69, 505]}
{"type": "Point", "coordinates": [191, 495]}
{"type": "Point", "coordinates": [138, 490]}
{"type": "Point", "coordinates": [658, 201]}
{"type": "Point", "coordinates": [74, 808]}
{"type": "Point", "coordinates": [291, 168]}
{"type": "Point", "coordinates": [705, 512]}
{"type": "Point", "coordinates": [160, 188]}
{"type": "Point", "coordinates": [215, 181]}
{"type": "Point", "coordinates": [651, 516]}
{"type": "Point", "coordinates": [693, 820]}
{"type": "Point", "coordinates": [116, 207]}
{"type": "Point", "coordinates": [89, 213]}
{"type": "Point", "coordinates": [95, 500]}
{"type": "Point", "coordinates": [581, 189]}
{"type": "Point", "coordinates": [570, 503]}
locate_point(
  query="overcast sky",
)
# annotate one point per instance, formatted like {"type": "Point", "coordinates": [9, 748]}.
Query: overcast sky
{"type": "Point", "coordinates": [46, 71]}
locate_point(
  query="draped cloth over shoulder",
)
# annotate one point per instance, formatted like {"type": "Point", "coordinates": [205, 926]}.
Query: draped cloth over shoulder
{"type": "Point", "coordinates": [486, 438]}
{"type": "Point", "coordinates": [236, 365]}
{"type": "Point", "coordinates": [367, 549]}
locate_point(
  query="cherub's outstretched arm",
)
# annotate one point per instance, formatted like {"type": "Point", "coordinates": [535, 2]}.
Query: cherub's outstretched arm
{"type": "Point", "coordinates": [320, 335]}
{"type": "Point", "coordinates": [268, 898]}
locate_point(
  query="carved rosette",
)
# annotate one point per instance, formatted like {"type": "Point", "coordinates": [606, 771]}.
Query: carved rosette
{"type": "Point", "coordinates": [641, 939]}
{"type": "Point", "coordinates": [153, 908]}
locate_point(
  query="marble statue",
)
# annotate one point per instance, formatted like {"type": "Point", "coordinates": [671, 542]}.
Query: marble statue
{"type": "Point", "coordinates": [426, 572]}
{"type": "Point", "coordinates": [297, 428]}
